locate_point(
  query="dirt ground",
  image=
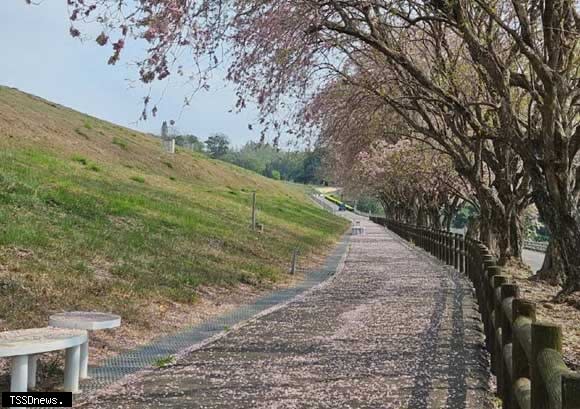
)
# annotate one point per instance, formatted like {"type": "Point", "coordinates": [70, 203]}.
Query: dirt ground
{"type": "Point", "coordinates": [566, 314]}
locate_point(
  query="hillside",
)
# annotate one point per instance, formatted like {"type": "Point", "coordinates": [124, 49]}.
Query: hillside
{"type": "Point", "coordinates": [96, 216]}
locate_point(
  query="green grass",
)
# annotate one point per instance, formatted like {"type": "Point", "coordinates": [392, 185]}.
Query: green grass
{"type": "Point", "coordinates": [83, 161]}
{"type": "Point", "coordinates": [164, 362]}
{"type": "Point", "coordinates": [80, 159]}
{"type": "Point", "coordinates": [120, 142]}
{"type": "Point", "coordinates": [81, 230]}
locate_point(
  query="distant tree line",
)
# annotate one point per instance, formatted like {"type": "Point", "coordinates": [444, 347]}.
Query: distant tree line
{"type": "Point", "coordinates": [264, 159]}
{"type": "Point", "coordinates": [269, 161]}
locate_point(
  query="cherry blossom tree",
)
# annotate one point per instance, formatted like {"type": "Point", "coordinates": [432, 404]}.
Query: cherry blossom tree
{"type": "Point", "coordinates": [370, 148]}
{"type": "Point", "coordinates": [494, 84]}
{"type": "Point", "coordinates": [477, 163]}
{"type": "Point", "coordinates": [525, 59]}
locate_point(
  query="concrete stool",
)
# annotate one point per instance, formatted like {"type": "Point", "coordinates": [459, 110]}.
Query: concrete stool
{"type": "Point", "coordinates": [357, 229]}
{"type": "Point", "coordinates": [24, 345]}
{"type": "Point", "coordinates": [90, 321]}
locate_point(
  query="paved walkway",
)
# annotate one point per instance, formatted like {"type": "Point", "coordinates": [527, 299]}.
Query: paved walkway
{"type": "Point", "coordinates": [393, 329]}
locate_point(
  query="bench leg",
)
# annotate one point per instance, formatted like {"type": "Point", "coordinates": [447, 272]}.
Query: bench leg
{"type": "Point", "coordinates": [19, 374]}
{"type": "Point", "coordinates": [84, 371]}
{"type": "Point", "coordinates": [32, 360]}
{"type": "Point", "coordinates": [71, 369]}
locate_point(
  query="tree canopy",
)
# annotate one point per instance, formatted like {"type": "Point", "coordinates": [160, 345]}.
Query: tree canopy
{"type": "Point", "coordinates": [217, 145]}
{"type": "Point", "coordinates": [267, 160]}
{"type": "Point", "coordinates": [492, 87]}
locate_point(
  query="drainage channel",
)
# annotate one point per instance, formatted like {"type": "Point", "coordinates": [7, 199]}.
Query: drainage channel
{"type": "Point", "coordinates": [132, 361]}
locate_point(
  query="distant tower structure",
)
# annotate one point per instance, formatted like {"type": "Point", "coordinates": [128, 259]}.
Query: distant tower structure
{"type": "Point", "coordinates": [167, 140]}
{"type": "Point", "coordinates": [164, 130]}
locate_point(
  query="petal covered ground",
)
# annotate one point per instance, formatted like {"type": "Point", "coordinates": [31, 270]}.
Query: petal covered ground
{"type": "Point", "coordinates": [393, 329]}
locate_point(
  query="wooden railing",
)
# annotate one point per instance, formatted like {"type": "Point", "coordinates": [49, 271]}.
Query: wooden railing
{"type": "Point", "coordinates": [526, 355]}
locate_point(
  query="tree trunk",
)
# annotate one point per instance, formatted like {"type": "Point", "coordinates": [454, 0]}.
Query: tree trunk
{"type": "Point", "coordinates": [561, 218]}
{"type": "Point", "coordinates": [509, 232]}
{"type": "Point", "coordinates": [486, 232]}
{"type": "Point", "coordinates": [517, 235]}
{"type": "Point", "coordinates": [552, 270]}
{"type": "Point", "coordinates": [485, 224]}
{"type": "Point", "coordinates": [503, 242]}
{"type": "Point", "coordinates": [435, 219]}
{"type": "Point", "coordinates": [422, 217]}
{"type": "Point", "coordinates": [472, 228]}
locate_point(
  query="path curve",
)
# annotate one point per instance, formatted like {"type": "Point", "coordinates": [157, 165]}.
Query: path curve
{"type": "Point", "coordinates": [393, 329]}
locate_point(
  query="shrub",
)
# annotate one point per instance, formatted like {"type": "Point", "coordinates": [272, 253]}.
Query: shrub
{"type": "Point", "coordinates": [138, 179]}
{"type": "Point", "coordinates": [119, 142]}
{"type": "Point", "coordinates": [80, 159]}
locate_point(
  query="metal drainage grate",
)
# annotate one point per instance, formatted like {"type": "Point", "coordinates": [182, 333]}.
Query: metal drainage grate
{"type": "Point", "coordinates": [132, 361]}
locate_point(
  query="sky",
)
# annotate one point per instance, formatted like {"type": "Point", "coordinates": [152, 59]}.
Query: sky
{"type": "Point", "coordinates": [38, 56]}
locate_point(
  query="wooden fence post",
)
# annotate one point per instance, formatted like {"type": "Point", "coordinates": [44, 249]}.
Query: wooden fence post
{"type": "Point", "coordinates": [522, 311]}
{"type": "Point", "coordinates": [442, 250]}
{"type": "Point", "coordinates": [457, 251]}
{"type": "Point", "coordinates": [467, 251]}
{"type": "Point", "coordinates": [508, 291]}
{"type": "Point", "coordinates": [489, 305]}
{"type": "Point", "coordinates": [442, 245]}
{"type": "Point", "coordinates": [462, 254]}
{"type": "Point", "coordinates": [446, 255]}
{"type": "Point", "coordinates": [544, 336]}
{"type": "Point", "coordinates": [486, 261]}
{"type": "Point", "coordinates": [451, 248]}
{"type": "Point", "coordinates": [496, 349]}
{"type": "Point", "coordinates": [294, 260]}
{"type": "Point", "coordinates": [570, 391]}
{"type": "Point", "coordinates": [253, 210]}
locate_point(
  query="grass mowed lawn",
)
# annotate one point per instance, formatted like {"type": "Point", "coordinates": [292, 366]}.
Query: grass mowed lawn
{"type": "Point", "coordinates": [95, 216]}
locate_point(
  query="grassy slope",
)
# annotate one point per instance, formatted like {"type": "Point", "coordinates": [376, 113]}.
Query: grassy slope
{"type": "Point", "coordinates": [93, 215]}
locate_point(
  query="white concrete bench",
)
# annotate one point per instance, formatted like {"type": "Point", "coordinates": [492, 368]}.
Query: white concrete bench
{"type": "Point", "coordinates": [357, 229]}
{"type": "Point", "coordinates": [90, 321]}
{"type": "Point", "coordinates": [23, 346]}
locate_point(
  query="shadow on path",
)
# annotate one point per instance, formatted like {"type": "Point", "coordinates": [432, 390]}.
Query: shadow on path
{"type": "Point", "coordinates": [393, 329]}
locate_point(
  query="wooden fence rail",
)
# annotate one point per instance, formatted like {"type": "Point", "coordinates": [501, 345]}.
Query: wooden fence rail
{"type": "Point", "coordinates": [526, 355]}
